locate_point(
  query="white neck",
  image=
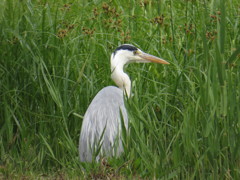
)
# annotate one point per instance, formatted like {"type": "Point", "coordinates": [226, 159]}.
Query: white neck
{"type": "Point", "coordinates": [121, 79]}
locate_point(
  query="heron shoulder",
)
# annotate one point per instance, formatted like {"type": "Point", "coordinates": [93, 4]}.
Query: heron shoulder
{"type": "Point", "coordinates": [109, 98]}
{"type": "Point", "coordinates": [105, 107]}
{"type": "Point", "coordinates": [110, 92]}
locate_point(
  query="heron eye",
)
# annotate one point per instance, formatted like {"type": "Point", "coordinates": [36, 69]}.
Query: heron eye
{"type": "Point", "coordinates": [135, 52]}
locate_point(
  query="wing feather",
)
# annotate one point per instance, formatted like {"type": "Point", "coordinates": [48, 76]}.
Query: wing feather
{"type": "Point", "coordinates": [103, 116]}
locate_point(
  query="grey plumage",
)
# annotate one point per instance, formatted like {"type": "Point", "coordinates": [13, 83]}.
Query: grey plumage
{"type": "Point", "coordinates": [101, 128]}
{"type": "Point", "coordinates": [106, 107]}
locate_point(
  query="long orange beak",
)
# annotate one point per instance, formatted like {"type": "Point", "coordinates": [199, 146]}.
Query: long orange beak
{"type": "Point", "coordinates": [151, 58]}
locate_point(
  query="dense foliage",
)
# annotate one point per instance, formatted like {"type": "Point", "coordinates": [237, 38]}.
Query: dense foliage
{"type": "Point", "coordinates": [185, 117]}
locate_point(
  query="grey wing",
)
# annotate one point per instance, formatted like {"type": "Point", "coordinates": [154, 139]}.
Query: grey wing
{"type": "Point", "coordinates": [103, 119]}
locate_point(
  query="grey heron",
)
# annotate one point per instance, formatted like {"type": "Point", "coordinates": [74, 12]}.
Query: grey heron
{"type": "Point", "coordinates": [101, 127]}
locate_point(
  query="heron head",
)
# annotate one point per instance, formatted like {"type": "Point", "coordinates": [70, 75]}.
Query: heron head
{"type": "Point", "coordinates": [127, 53]}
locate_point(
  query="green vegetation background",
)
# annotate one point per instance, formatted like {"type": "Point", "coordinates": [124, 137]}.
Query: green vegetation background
{"type": "Point", "coordinates": [185, 117]}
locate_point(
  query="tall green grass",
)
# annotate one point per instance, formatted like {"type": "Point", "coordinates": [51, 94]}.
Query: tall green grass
{"type": "Point", "coordinates": [184, 118]}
